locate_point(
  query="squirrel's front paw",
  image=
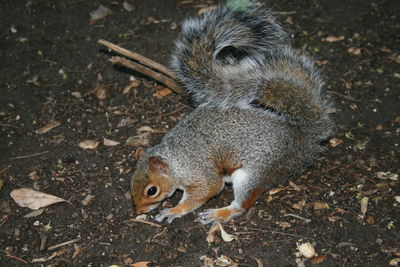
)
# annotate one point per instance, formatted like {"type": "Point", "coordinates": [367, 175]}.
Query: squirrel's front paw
{"type": "Point", "coordinates": [166, 213]}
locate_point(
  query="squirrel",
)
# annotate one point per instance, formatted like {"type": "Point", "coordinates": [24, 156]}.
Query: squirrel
{"type": "Point", "coordinates": [260, 119]}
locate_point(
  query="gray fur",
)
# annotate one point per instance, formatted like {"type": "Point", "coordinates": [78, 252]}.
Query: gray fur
{"type": "Point", "coordinates": [233, 63]}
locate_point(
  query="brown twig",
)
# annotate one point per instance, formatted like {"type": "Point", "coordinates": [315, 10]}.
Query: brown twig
{"type": "Point", "coordinates": [63, 244]}
{"type": "Point", "coordinates": [17, 258]}
{"type": "Point", "coordinates": [31, 155]}
{"type": "Point", "coordinates": [142, 59]}
{"type": "Point", "coordinates": [146, 222]}
{"type": "Point", "coordinates": [174, 86]}
{"type": "Point", "coordinates": [267, 231]}
{"type": "Point", "coordinates": [6, 168]}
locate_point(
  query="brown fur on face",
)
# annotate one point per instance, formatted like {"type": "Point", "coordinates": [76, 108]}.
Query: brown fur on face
{"type": "Point", "coordinates": [157, 174]}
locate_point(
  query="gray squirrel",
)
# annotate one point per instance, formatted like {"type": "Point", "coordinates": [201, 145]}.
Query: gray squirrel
{"type": "Point", "coordinates": [260, 119]}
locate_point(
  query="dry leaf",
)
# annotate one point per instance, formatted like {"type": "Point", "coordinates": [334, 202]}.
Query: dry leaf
{"type": "Point", "coordinates": [4, 206]}
{"type": "Point", "coordinates": [48, 127]}
{"type": "Point", "coordinates": [162, 93]}
{"type": "Point", "coordinates": [331, 39]}
{"type": "Point", "coordinates": [307, 250]}
{"type": "Point", "coordinates": [26, 197]}
{"type": "Point", "coordinates": [295, 186]}
{"type": "Point", "coordinates": [364, 205]}
{"type": "Point", "coordinates": [225, 236]}
{"type": "Point", "coordinates": [387, 175]}
{"type": "Point", "coordinates": [394, 262]}
{"type": "Point", "coordinates": [224, 261]}
{"type": "Point", "coordinates": [145, 129]}
{"type": "Point", "coordinates": [274, 191]}
{"type": "Point", "coordinates": [99, 13]}
{"type": "Point", "coordinates": [89, 144]}
{"type": "Point", "coordinates": [33, 175]}
{"type": "Point", "coordinates": [100, 92]}
{"type": "Point", "coordinates": [34, 213]}
{"type": "Point", "coordinates": [128, 6]}
{"type": "Point", "coordinates": [285, 225]}
{"type": "Point", "coordinates": [317, 205]}
{"type": "Point", "coordinates": [206, 9]}
{"type": "Point", "coordinates": [211, 233]}
{"type": "Point", "coordinates": [108, 142]}
{"type": "Point", "coordinates": [319, 259]}
{"type": "Point", "coordinates": [141, 264]}
{"type": "Point", "coordinates": [355, 51]}
{"type": "Point", "coordinates": [139, 140]}
{"type": "Point", "coordinates": [334, 142]}
{"type": "Point", "coordinates": [138, 153]}
{"type": "Point", "coordinates": [207, 261]}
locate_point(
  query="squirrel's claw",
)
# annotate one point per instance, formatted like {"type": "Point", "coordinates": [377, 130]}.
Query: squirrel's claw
{"type": "Point", "coordinates": [166, 213]}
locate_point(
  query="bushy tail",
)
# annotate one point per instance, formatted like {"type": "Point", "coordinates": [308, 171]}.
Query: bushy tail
{"type": "Point", "coordinates": [216, 54]}
{"type": "Point", "coordinates": [241, 57]}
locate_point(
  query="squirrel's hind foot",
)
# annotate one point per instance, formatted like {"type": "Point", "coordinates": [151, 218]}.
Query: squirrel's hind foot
{"type": "Point", "coordinates": [219, 215]}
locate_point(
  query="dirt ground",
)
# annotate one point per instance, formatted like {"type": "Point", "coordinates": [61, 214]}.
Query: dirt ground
{"type": "Point", "coordinates": [50, 65]}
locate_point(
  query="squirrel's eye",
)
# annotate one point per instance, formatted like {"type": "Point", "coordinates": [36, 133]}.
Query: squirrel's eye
{"type": "Point", "coordinates": [152, 191]}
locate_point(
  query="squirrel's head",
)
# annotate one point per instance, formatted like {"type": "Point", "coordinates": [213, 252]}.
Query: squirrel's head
{"type": "Point", "coordinates": [151, 184]}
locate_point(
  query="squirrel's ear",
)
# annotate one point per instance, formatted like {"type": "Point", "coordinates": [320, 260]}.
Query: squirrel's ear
{"type": "Point", "coordinates": [158, 166]}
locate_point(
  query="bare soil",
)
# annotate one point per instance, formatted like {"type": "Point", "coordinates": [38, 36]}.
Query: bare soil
{"type": "Point", "coordinates": [51, 62]}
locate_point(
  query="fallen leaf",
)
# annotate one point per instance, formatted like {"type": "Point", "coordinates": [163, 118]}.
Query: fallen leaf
{"type": "Point", "coordinates": [128, 6]}
{"type": "Point", "coordinates": [145, 129]}
{"type": "Point", "coordinates": [397, 198]}
{"type": "Point", "coordinates": [206, 9]}
{"type": "Point", "coordinates": [318, 205]}
{"type": "Point", "coordinates": [207, 261]}
{"type": "Point", "coordinates": [355, 51]}
{"type": "Point", "coordinates": [307, 250]}
{"type": "Point", "coordinates": [26, 197]}
{"type": "Point", "coordinates": [89, 144]}
{"type": "Point", "coordinates": [285, 225]}
{"type": "Point", "coordinates": [211, 233]}
{"type": "Point", "coordinates": [225, 236]}
{"type": "Point", "coordinates": [100, 92]}
{"type": "Point", "coordinates": [138, 153]}
{"type": "Point", "coordinates": [125, 121]}
{"type": "Point", "coordinates": [364, 205]}
{"type": "Point", "coordinates": [4, 206]}
{"type": "Point", "coordinates": [319, 259]}
{"type": "Point", "coordinates": [162, 93]}
{"type": "Point", "coordinates": [294, 186]}
{"type": "Point", "coordinates": [225, 261]}
{"type": "Point", "coordinates": [141, 264]}
{"type": "Point", "coordinates": [48, 127]}
{"type": "Point", "coordinates": [99, 13]}
{"type": "Point", "coordinates": [274, 191]}
{"type": "Point", "coordinates": [108, 142]}
{"type": "Point", "coordinates": [34, 213]}
{"type": "Point", "coordinates": [334, 142]}
{"type": "Point", "coordinates": [138, 140]}
{"type": "Point", "coordinates": [394, 262]}
{"type": "Point", "coordinates": [331, 39]}
{"type": "Point", "coordinates": [387, 175]}
{"type": "Point", "coordinates": [33, 175]}
{"type": "Point", "coordinates": [76, 94]}
{"type": "Point", "coordinates": [128, 88]}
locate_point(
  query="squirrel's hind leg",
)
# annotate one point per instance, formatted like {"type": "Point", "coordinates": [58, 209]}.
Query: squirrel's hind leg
{"type": "Point", "coordinates": [245, 195]}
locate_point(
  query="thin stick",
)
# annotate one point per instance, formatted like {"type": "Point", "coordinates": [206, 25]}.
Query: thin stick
{"type": "Point", "coordinates": [148, 72]}
{"type": "Point", "coordinates": [297, 216]}
{"type": "Point", "coordinates": [146, 222]}
{"type": "Point", "coordinates": [142, 59]}
{"type": "Point", "coordinates": [17, 258]}
{"type": "Point", "coordinates": [267, 231]}
{"type": "Point", "coordinates": [6, 168]}
{"type": "Point", "coordinates": [32, 155]}
{"type": "Point", "coordinates": [63, 244]}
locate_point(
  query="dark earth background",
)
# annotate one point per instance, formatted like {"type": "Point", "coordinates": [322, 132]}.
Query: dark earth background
{"type": "Point", "coordinates": [50, 65]}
